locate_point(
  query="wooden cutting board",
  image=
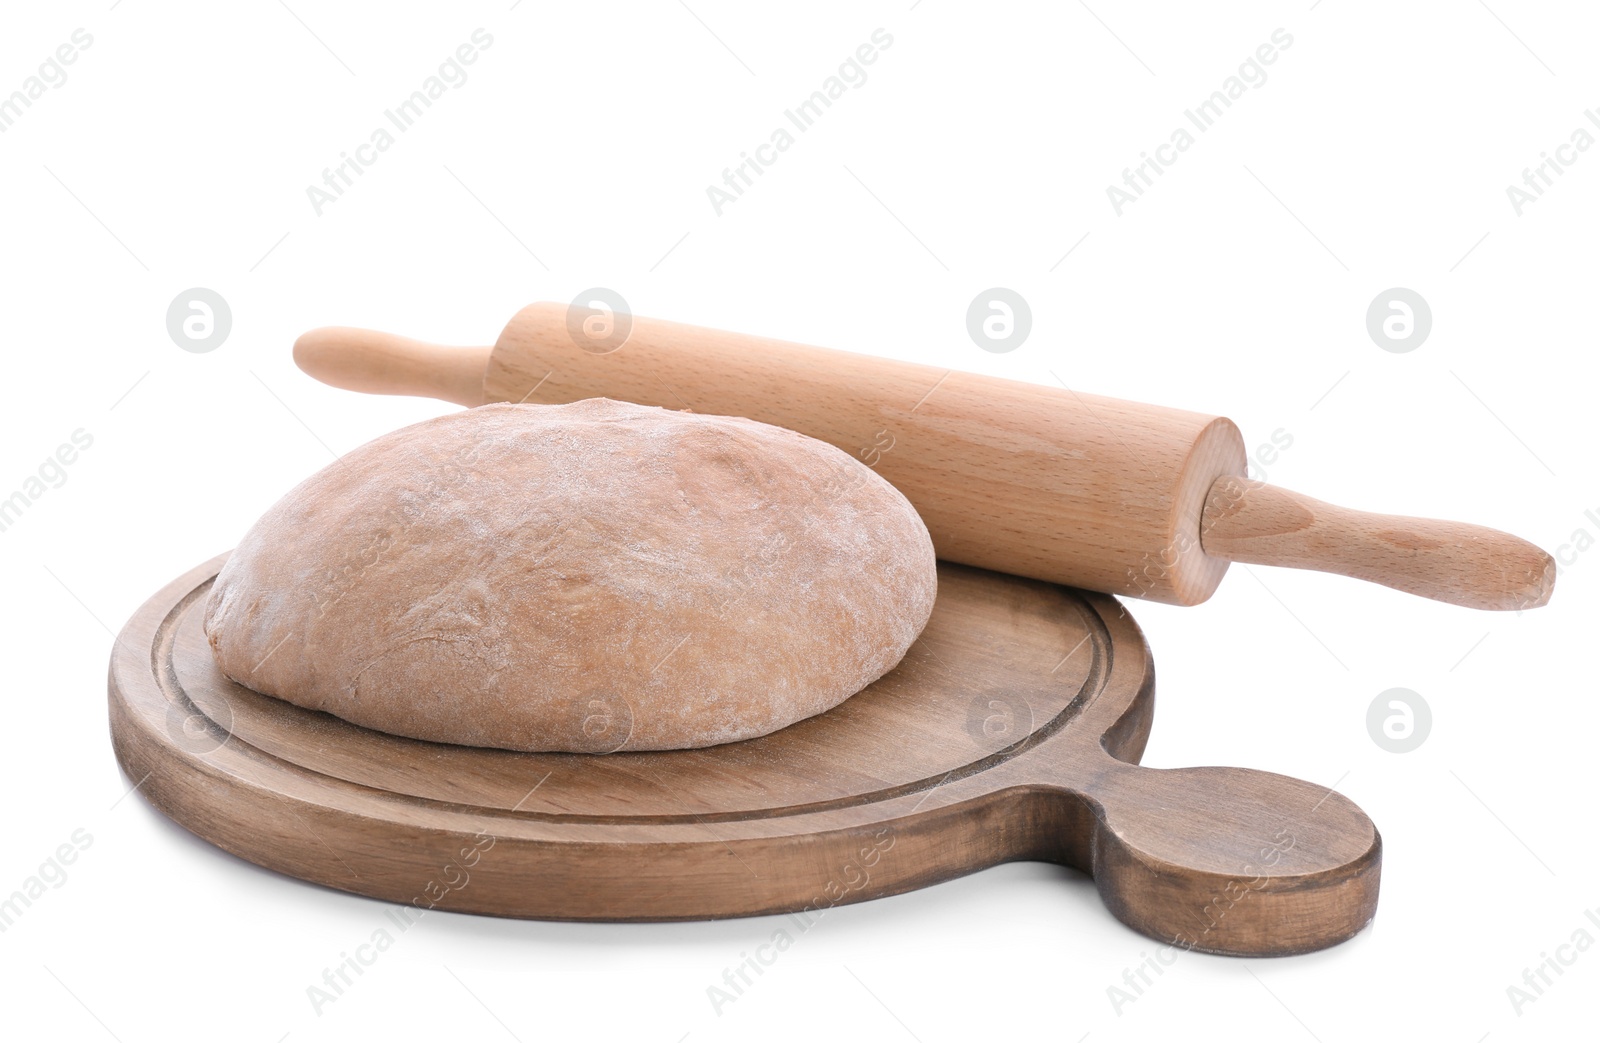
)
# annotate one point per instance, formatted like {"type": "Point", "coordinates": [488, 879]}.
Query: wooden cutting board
{"type": "Point", "coordinates": [1011, 731]}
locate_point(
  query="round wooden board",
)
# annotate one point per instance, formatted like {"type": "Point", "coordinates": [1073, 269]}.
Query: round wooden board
{"type": "Point", "coordinates": [1010, 731]}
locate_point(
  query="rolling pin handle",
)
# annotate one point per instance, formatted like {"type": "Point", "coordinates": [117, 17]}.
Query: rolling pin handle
{"type": "Point", "coordinates": [387, 364]}
{"type": "Point", "coordinates": [1455, 562]}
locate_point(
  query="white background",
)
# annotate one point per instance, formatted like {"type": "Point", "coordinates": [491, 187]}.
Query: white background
{"type": "Point", "coordinates": [1376, 154]}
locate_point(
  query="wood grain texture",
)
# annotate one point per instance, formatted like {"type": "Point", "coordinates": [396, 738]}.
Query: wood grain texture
{"type": "Point", "coordinates": [1009, 732]}
{"type": "Point", "coordinates": [1462, 564]}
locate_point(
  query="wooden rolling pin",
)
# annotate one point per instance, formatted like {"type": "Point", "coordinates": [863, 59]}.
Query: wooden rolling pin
{"type": "Point", "coordinates": [1092, 492]}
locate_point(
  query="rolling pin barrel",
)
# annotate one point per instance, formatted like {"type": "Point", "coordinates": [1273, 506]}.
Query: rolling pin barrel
{"type": "Point", "coordinates": [1046, 482]}
{"type": "Point", "coordinates": [1015, 477]}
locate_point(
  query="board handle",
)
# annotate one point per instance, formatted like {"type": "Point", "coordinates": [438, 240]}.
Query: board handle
{"type": "Point", "coordinates": [1233, 861]}
{"type": "Point", "coordinates": [1456, 562]}
{"type": "Point", "coordinates": [388, 364]}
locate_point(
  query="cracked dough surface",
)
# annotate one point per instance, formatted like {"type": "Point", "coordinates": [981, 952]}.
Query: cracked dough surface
{"type": "Point", "coordinates": [590, 577]}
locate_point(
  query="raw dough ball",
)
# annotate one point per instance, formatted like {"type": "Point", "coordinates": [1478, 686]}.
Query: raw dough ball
{"type": "Point", "coordinates": [590, 577]}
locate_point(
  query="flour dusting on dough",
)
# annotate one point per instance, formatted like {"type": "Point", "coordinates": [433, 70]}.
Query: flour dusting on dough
{"type": "Point", "coordinates": [584, 578]}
